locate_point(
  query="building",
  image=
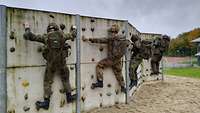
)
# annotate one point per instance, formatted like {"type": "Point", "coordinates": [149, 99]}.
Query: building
{"type": "Point", "coordinates": [197, 41]}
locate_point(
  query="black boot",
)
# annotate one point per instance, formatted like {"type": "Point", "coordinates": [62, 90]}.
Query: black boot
{"type": "Point", "coordinates": [43, 105]}
{"type": "Point", "coordinates": [123, 89]}
{"type": "Point", "coordinates": [70, 97]}
{"type": "Point", "coordinates": [132, 84]}
{"type": "Point", "coordinates": [97, 84]}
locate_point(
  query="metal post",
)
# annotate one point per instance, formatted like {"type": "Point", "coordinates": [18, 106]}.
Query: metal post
{"type": "Point", "coordinates": [3, 58]}
{"type": "Point", "coordinates": [162, 62]}
{"type": "Point", "coordinates": [78, 67]}
{"type": "Point", "coordinates": [126, 64]}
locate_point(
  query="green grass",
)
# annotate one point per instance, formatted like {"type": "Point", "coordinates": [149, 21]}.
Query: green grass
{"type": "Point", "coordinates": [185, 72]}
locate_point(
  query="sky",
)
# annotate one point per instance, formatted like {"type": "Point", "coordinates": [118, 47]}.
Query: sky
{"type": "Point", "coordinates": [170, 17]}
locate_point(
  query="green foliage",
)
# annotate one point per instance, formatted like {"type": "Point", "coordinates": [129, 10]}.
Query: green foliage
{"type": "Point", "coordinates": [182, 46]}
{"type": "Point", "coordinates": [186, 72]}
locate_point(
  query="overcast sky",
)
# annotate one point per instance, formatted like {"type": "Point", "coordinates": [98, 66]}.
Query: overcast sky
{"type": "Point", "coordinates": [158, 16]}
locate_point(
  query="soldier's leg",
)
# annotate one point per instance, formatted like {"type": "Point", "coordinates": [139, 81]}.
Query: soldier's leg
{"type": "Point", "coordinates": [153, 66]}
{"type": "Point", "coordinates": [158, 64]}
{"type": "Point", "coordinates": [48, 80]}
{"type": "Point", "coordinates": [157, 67]}
{"type": "Point", "coordinates": [133, 69]}
{"type": "Point", "coordinates": [117, 69]}
{"type": "Point", "coordinates": [99, 72]}
{"type": "Point", "coordinates": [134, 64]}
{"type": "Point", "coordinates": [64, 73]}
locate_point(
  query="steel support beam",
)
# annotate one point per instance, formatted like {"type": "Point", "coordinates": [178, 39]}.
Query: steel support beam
{"type": "Point", "coordinates": [78, 67]}
{"type": "Point", "coordinates": [3, 59]}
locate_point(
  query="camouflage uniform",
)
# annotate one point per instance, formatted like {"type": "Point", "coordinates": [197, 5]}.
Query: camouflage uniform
{"type": "Point", "coordinates": [139, 51]}
{"type": "Point", "coordinates": [136, 58]}
{"type": "Point", "coordinates": [160, 45]}
{"type": "Point", "coordinates": [117, 45]}
{"type": "Point", "coordinates": [55, 52]}
{"type": "Point", "coordinates": [113, 60]}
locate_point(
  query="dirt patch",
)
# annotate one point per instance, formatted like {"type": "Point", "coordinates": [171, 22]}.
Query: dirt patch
{"type": "Point", "coordinates": [174, 95]}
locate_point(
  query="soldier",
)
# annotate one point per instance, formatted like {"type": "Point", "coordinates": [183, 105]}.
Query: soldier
{"type": "Point", "coordinates": [140, 50]}
{"type": "Point", "coordinates": [117, 45]}
{"type": "Point", "coordinates": [135, 60]}
{"type": "Point", "coordinates": [55, 52]}
{"type": "Point", "coordinates": [160, 45]}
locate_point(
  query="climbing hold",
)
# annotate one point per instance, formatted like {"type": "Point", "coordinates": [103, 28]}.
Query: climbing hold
{"type": "Point", "coordinates": [83, 29]}
{"type": "Point", "coordinates": [62, 91]}
{"type": "Point", "coordinates": [11, 111]}
{"type": "Point", "coordinates": [71, 68]}
{"type": "Point", "coordinates": [25, 108]}
{"type": "Point", "coordinates": [93, 59]}
{"type": "Point", "coordinates": [51, 16]}
{"type": "Point", "coordinates": [117, 92]}
{"type": "Point", "coordinates": [62, 103]}
{"type": "Point", "coordinates": [92, 29]}
{"type": "Point", "coordinates": [100, 94]}
{"type": "Point", "coordinates": [26, 96]}
{"type": "Point", "coordinates": [109, 94]}
{"type": "Point", "coordinates": [101, 105]}
{"type": "Point", "coordinates": [25, 83]}
{"type": "Point", "coordinates": [123, 32]}
{"type": "Point", "coordinates": [83, 98]}
{"type": "Point", "coordinates": [19, 78]}
{"type": "Point", "coordinates": [101, 49]}
{"type": "Point", "coordinates": [109, 85]}
{"type": "Point", "coordinates": [12, 35]}
{"type": "Point", "coordinates": [116, 102]}
{"type": "Point", "coordinates": [92, 76]}
{"type": "Point", "coordinates": [83, 88]}
{"type": "Point", "coordinates": [12, 49]}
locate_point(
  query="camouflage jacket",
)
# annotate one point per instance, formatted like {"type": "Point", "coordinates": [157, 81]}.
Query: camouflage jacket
{"type": "Point", "coordinates": [116, 45]}
{"type": "Point", "coordinates": [54, 43]}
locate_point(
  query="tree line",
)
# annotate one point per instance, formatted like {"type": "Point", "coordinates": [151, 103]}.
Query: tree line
{"type": "Point", "coordinates": [182, 46]}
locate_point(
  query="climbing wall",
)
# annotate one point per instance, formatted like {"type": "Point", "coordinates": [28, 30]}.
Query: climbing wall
{"type": "Point", "coordinates": [26, 66]}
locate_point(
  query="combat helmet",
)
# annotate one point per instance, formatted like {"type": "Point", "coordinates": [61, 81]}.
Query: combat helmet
{"type": "Point", "coordinates": [114, 28]}
{"type": "Point", "coordinates": [53, 26]}
{"type": "Point", "coordinates": [134, 37]}
{"type": "Point", "coordinates": [166, 37]}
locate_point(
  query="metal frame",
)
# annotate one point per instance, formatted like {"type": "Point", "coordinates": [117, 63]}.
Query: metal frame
{"type": "Point", "coordinates": [3, 60]}
{"type": "Point", "coordinates": [126, 65]}
{"type": "Point", "coordinates": [78, 67]}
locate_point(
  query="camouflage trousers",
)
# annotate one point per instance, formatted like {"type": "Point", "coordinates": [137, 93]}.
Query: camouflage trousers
{"type": "Point", "coordinates": [115, 64]}
{"type": "Point", "coordinates": [133, 66]}
{"type": "Point", "coordinates": [155, 61]}
{"type": "Point", "coordinates": [63, 72]}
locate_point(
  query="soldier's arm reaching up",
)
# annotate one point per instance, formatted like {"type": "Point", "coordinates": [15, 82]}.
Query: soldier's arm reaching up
{"type": "Point", "coordinates": [96, 40]}
{"type": "Point", "coordinates": [28, 35]}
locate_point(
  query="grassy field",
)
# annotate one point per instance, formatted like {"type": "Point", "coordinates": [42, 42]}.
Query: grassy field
{"type": "Point", "coordinates": [186, 72]}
